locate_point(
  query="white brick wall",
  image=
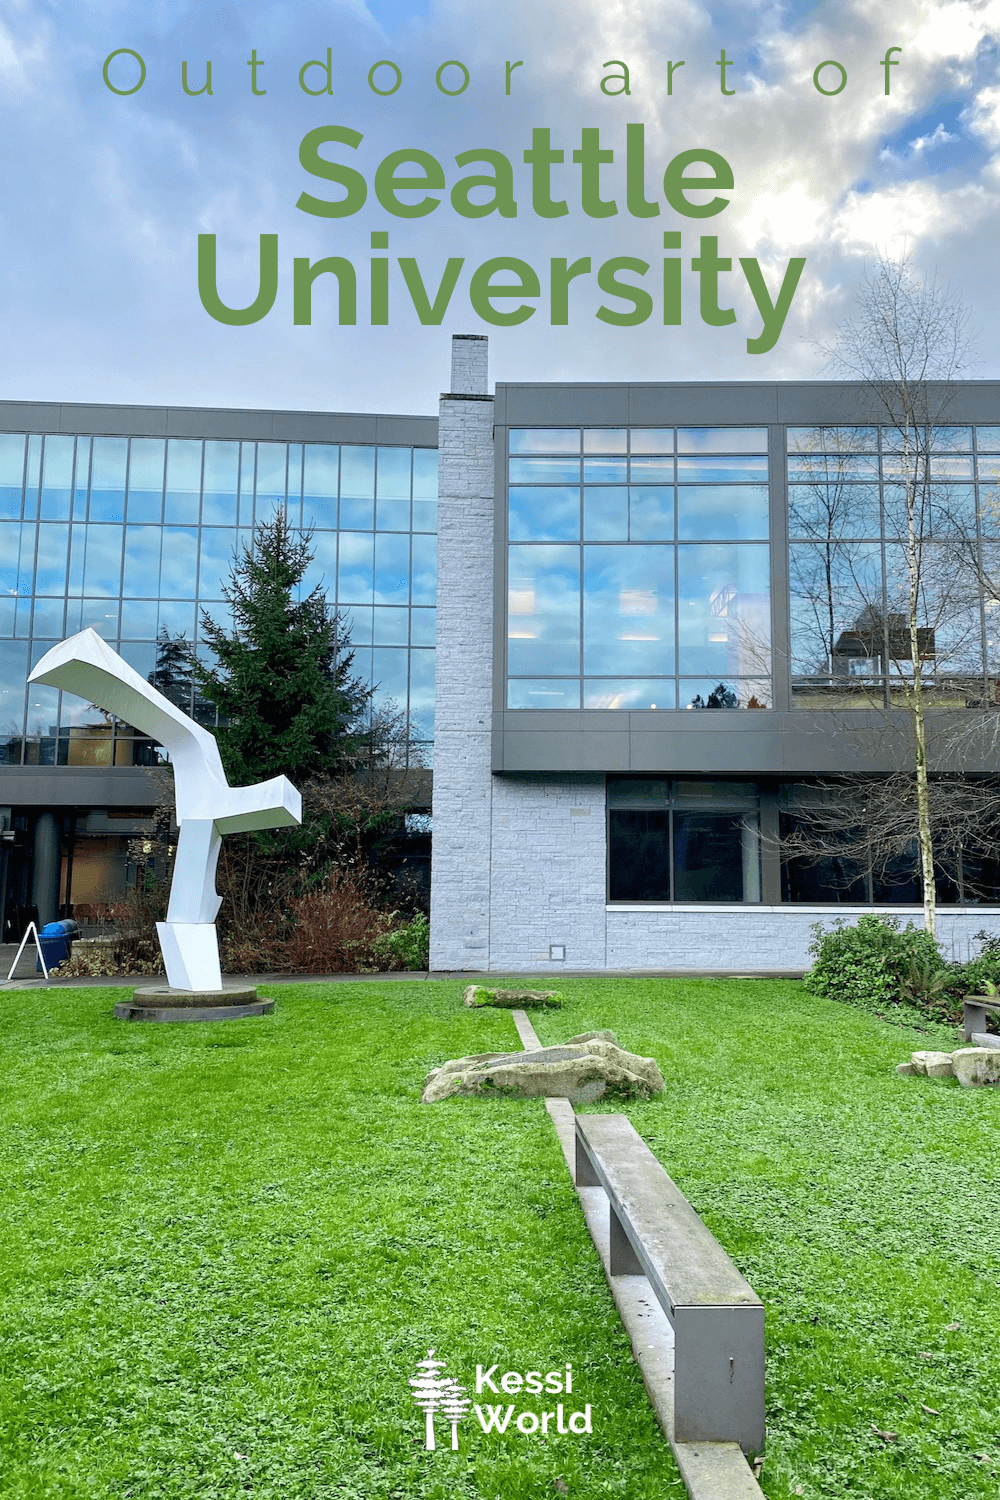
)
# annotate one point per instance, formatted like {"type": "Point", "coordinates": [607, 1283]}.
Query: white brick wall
{"type": "Point", "coordinates": [548, 872]}
{"type": "Point", "coordinates": [749, 938]}
{"type": "Point", "coordinates": [460, 867]}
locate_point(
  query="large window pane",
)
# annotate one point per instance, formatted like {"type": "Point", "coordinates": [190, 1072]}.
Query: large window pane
{"type": "Point", "coordinates": [183, 482]}
{"type": "Point", "coordinates": [222, 472]}
{"type": "Point", "coordinates": [605, 514]}
{"type": "Point", "coordinates": [179, 562]}
{"type": "Point", "coordinates": [392, 569]}
{"type": "Point", "coordinates": [605, 440]}
{"type": "Point", "coordinates": [53, 549]}
{"type": "Point", "coordinates": [145, 479]}
{"type": "Point", "coordinates": [651, 513]}
{"type": "Point", "coordinates": [543, 514]}
{"type": "Point", "coordinates": [356, 567]}
{"type": "Point", "coordinates": [393, 474]}
{"type": "Point", "coordinates": [730, 512]}
{"type": "Point", "coordinates": [541, 692]}
{"type": "Point", "coordinates": [828, 512]}
{"type": "Point", "coordinates": [423, 581]}
{"type": "Point", "coordinates": [216, 562]}
{"type": "Point", "coordinates": [107, 479]}
{"type": "Point", "coordinates": [836, 610]}
{"type": "Point", "coordinates": [321, 478]}
{"type": "Point", "coordinates": [716, 858]}
{"type": "Point", "coordinates": [724, 610]}
{"type": "Point", "coordinates": [544, 610]}
{"type": "Point", "coordinates": [720, 470]}
{"type": "Point", "coordinates": [425, 474]}
{"type": "Point", "coordinates": [142, 561]}
{"type": "Point", "coordinates": [357, 472]}
{"type": "Point", "coordinates": [628, 611]}
{"type": "Point", "coordinates": [639, 855]}
{"type": "Point", "coordinates": [629, 695]}
{"type": "Point", "coordinates": [57, 478]}
{"type": "Point", "coordinates": [103, 569]}
{"type": "Point", "coordinates": [11, 474]}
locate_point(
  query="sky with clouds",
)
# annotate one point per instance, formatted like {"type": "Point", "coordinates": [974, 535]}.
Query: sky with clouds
{"type": "Point", "coordinates": [104, 195]}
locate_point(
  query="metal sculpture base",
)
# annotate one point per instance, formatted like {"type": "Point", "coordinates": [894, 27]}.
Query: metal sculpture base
{"type": "Point", "coordinates": [159, 1002]}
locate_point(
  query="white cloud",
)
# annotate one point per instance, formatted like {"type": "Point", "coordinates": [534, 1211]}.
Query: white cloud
{"type": "Point", "coordinates": [104, 197]}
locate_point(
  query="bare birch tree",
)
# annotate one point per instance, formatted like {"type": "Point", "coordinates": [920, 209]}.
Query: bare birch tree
{"type": "Point", "coordinates": [915, 644]}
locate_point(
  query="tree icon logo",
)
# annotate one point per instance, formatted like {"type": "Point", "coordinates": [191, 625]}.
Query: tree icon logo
{"type": "Point", "coordinates": [436, 1393]}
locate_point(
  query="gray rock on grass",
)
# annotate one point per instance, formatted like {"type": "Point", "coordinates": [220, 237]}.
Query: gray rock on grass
{"type": "Point", "coordinates": [976, 1066]}
{"type": "Point", "coordinates": [932, 1064]}
{"type": "Point", "coordinates": [579, 1071]}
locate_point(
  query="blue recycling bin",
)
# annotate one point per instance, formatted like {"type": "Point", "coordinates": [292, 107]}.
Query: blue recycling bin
{"type": "Point", "coordinates": [55, 940]}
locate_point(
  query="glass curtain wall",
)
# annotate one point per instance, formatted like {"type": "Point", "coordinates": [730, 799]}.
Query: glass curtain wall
{"type": "Point", "coordinates": [853, 556]}
{"type": "Point", "coordinates": [135, 537]}
{"type": "Point", "coordinates": [638, 569]}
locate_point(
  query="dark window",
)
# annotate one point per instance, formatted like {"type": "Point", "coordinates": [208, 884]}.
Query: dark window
{"type": "Point", "coordinates": [682, 840]}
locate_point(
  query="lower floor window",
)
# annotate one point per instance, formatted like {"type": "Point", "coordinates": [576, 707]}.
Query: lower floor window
{"type": "Point", "coordinates": [683, 841]}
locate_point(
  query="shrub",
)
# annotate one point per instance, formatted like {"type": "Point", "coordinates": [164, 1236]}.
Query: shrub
{"type": "Point", "coordinates": [407, 947]}
{"type": "Point", "coordinates": [875, 965]}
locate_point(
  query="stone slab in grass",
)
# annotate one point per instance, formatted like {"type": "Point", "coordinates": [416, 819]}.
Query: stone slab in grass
{"type": "Point", "coordinates": [976, 1066]}
{"type": "Point", "coordinates": [578, 1071]}
{"type": "Point", "coordinates": [476, 995]}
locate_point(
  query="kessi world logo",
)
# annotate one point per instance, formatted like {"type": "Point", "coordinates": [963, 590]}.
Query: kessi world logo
{"type": "Point", "coordinates": [445, 1401]}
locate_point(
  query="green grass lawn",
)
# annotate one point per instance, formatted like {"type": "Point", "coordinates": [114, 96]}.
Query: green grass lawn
{"type": "Point", "coordinates": [864, 1209]}
{"type": "Point", "coordinates": [225, 1246]}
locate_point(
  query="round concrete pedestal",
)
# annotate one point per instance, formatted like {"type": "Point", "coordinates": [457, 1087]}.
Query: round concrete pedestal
{"type": "Point", "coordinates": [158, 1002]}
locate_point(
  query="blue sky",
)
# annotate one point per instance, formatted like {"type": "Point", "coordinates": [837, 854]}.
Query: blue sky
{"type": "Point", "coordinates": [104, 196]}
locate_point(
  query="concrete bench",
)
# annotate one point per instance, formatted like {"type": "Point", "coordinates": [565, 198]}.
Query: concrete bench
{"type": "Point", "coordinates": [974, 1008]}
{"type": "Point", "coordinates": [717, 1318]}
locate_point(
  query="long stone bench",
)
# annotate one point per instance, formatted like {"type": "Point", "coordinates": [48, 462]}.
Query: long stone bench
{"type": "Point", "coordinates": [974, 1008]}
{"type": "Point", "coordinates": [717, 1317]}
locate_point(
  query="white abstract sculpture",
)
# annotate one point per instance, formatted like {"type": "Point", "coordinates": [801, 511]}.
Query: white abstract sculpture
{"type": "Point", "coordinates": [207, 806]}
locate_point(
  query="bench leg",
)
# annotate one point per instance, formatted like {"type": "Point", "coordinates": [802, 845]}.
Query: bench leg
{"type": "Point", "coordinates": [974, 1019]}
{"type": "Point", "coordinates": [624, 1261]}
{"type": "Point", "coordinates": [585, 1174]}
{"type": "Point", "coordinates": [719, 1376]}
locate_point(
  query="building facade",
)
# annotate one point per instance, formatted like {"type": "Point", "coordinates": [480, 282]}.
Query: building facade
{"type": "Point", "coordinates": [695, 617]}
{"type": "Point", "coordinates": [659, 616]}
{"type": "Point", "coordinates": [127, 519]}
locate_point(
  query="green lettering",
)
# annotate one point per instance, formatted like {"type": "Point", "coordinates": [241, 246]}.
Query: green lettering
{"type": "Point", "coordinates": [318, 166]}
{"type": "Point", "coordinates": [427, 311]}
{"type": "Point", "coordinates": [387, 184]}
{"type": "Point", "coordinates": [208, 283]}
{"type": "Point", "coordinates": [773, 313]}
{"type": "Point", "coordinates": [642, 302]}
{"type": "Point", "coordinates": [676, 185]}
{"type": "Point", "coordinates": [482, 295]}
{"type": "Point", "coordinates": [347, 287]}
{"type": "Point", "coordinates": [502, 183]}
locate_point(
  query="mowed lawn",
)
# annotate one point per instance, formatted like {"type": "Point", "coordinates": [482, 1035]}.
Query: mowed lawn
{"type": "Point", "coordinates": [864, 1209]}
{"type": "Point", "coordinates": [226, 1246]}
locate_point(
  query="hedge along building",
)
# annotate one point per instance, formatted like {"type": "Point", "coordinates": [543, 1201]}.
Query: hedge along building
{"type": "Point", "coordinates": [655, 630]}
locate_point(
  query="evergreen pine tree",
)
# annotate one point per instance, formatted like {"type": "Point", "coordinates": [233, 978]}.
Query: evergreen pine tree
{"type": "Point", "coordinates": [288, 704]}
